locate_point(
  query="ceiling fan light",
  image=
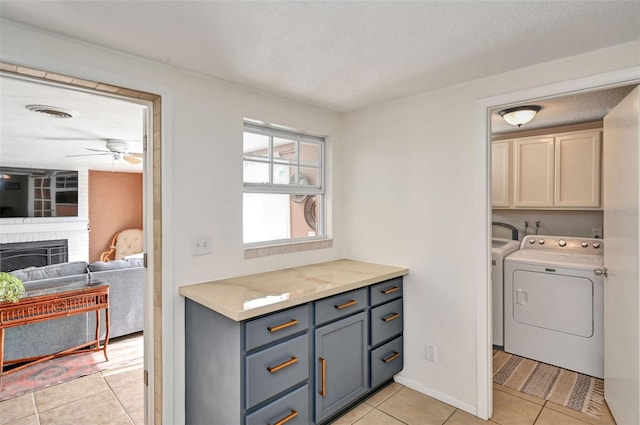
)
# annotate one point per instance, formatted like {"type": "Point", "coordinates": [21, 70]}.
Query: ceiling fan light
{"type": "Point", "coordinates": [519, 115]}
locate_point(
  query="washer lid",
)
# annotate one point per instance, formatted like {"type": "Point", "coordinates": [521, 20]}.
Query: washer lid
{"type": "Point", "coordinates": [556, 259]}
{"type": "Point", "coordinates": [503, 246]}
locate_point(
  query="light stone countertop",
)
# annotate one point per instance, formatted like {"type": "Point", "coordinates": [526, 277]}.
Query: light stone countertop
{"type": "Point", "coordinates": [245, 297]}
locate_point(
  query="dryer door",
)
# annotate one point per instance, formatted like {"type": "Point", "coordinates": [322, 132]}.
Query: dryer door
{"type": "Point", "coordinates": [553, 301]}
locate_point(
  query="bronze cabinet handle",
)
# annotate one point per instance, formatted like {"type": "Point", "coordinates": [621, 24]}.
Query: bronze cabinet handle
{"type": "Point", "coordinates": [390, 290]}
{"type": "Point", "coordinates": [391, 317]}
{"type": "Point", "coordinates": [287, 418]}
{"type": "Point", "coordinates": [392, 357]}
{"type": "Point", "coordinates": [273, 369]}
{"type": "Point", "coordinates": [323, 380]}
{"type": "Point", "coordinates": [345, 305]}
{"type": "Point", "coordinates": [277, 328]}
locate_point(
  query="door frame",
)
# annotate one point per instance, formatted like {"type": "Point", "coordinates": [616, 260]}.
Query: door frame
{"type": "Point", "coordinates": [152, 219]}
{"type": "Point", "coordinates": [484, 367]}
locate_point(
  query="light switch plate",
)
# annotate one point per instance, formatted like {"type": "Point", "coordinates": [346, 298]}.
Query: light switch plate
{"type": "Point", "coordinates": [201, 245]}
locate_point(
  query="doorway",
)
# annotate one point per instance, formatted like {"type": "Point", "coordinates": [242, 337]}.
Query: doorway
{"type": "Point", "coordinates": [152, 223]}
{"type": "Point", "coordinates": [606, 81]}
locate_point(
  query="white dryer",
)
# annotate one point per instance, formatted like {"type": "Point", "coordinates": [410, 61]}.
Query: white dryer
{"type": "Point", "coordinates": [554, 302]}
{"type": "Point", "coordinates": [500, 248]}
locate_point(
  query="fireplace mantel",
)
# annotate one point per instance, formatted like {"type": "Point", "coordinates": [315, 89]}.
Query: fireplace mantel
{"type": "Point", "coordinates": [31, 226]}
{"type": "Point", "coordinates": [75, 230]}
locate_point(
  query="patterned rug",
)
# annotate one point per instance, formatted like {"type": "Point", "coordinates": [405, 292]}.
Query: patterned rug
{"type": "Point", "coordinates": [570, 389]}
{"type": "Point", "coordinates": [124, 353]}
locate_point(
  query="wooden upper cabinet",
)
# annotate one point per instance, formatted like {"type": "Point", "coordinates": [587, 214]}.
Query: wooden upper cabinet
{"type": "Point", "coordinates": [560, 170]}
{"type": "Point", "coordinates": [577, 170]}
{"type": "Point", "coordinates": [533, 172]}
{"type": "Point", "coordinates": [500, 174]}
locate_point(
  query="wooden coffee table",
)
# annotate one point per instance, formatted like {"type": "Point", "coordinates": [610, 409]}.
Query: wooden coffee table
{"type": "Point", "coordinates": [53, 302]}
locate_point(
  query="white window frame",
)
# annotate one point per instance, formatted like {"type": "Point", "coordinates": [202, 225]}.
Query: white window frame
{"type": "Point", "coordinates": [289, 189]}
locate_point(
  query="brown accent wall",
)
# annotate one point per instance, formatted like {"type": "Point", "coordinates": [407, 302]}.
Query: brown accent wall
{"type": "Point", "coordinates": [115, 204]}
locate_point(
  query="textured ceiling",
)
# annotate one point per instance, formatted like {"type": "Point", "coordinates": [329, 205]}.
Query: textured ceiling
{"type": "Point", "coordinates": [35, 140]}
{"type": "Point", "coordinates": [566, 110]}
{"type": "Point", "coordinates": [340, 55]}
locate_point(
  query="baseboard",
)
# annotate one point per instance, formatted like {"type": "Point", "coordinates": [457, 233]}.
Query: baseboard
{"type": "Point", "coordinates": [445, 398]}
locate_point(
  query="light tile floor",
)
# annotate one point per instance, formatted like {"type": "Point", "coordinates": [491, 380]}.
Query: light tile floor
{"type": "Point", "coordinates": [114, 397]}
{"type": "Point", "coordinates": [398, 405]}
{"type": "Point", "coordinates": [118, 399]}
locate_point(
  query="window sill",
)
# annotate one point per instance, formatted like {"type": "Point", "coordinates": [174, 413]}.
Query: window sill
{"type": "Point", "coordinates": [265, 251]}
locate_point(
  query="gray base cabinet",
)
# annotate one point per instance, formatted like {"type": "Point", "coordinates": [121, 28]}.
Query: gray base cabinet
{"type": "Point", "coordinates": [342, 368]}
{"type": "Point", "coordinates": [303, 365]}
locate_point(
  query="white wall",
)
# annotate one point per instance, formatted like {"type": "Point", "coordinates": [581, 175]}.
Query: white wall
{"type": "Point", "coordinates": [416, 195]}
{"type": "Point", "coordinates": [202, 170]}
{"type": "Point", "coordinates": [561, 223]}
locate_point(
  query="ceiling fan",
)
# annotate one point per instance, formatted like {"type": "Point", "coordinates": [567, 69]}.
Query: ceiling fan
{"type": "Point", "coordinates": [117, 149]}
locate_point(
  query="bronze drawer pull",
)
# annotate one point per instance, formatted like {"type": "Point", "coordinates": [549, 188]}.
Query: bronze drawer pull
{"type": "Point", "coordinates": [273, 369]}
{"type": "Point", "coordinates": [390, 290]}
{"type": "Point", "coordinates": [390, 318]}
{"type": "Point", "coordinates": [287, 418]}
{"type": "Point", "coordinates": [323, 385]}
{"type": "Point", "coordinates": [347, 304]}
{"type": "Point", "coordinates": [277, 328]}
{"type": "Point", "coordinates": [392, 357]}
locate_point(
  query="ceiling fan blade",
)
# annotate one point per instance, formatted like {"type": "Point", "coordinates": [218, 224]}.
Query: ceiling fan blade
{"type": "Point", "coordinates": [91, 154]}
{"type": "Point", "coordinates": [97, 150]}
{"type": "Point", "coordinates": [137, 155]}
{"type": "Point", "coordinates": [132, 160]}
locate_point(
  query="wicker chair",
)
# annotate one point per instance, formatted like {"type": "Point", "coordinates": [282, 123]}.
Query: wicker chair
{"type": "Point", "coordinates": [124, 243]}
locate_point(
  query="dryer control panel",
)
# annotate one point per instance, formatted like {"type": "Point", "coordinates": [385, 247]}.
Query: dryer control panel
{"type": "Point", "coordinates": [566, 244]}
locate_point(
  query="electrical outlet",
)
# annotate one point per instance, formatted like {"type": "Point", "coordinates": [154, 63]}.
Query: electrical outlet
{"type": "Point", "coordinates": [596, 233]}
{"type": "Point", "coordinates": [430, 352]}
{"type": "Point", "coordinates": [201, 245]}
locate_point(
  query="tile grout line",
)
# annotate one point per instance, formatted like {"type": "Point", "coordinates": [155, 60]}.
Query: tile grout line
{"type": "Point", "coordinates": [390, 415]}
{"type": "Point", "coordinates": [35, 407]}
{"type": "Point", "coordinates": [449, 417]}
{"type": "Point", "coordinates": [126, 412]}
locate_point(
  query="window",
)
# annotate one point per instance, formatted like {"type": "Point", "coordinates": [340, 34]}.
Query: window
{"type": "Point", "coordinates": [283, 176]}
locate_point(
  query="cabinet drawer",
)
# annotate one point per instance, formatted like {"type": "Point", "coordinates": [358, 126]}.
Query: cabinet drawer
{"type": "Point", "coordinates": [292, 409]}
{"type": "Point", "coordinates": [340, 305]}
{"type": "Point", "coordinates": [276, 326]}
{"type": "Point", "coordinates": [386, 291]}
{"type": "Point", "coordinates": [386, 321]}
{"type": "Point", "coordinates": [275, 369]}
{"type": "Point", "coordinates": [386, 361]}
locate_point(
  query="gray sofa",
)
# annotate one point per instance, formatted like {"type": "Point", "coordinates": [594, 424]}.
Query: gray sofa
{"type": "Point", "coordinates": [126, 306]}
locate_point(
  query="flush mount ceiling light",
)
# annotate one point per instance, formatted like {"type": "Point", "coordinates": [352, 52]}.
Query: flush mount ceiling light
{"type": "Point", "coordinates": [520, 114]}
{"type": "Point", "coordinates": [52, 111]}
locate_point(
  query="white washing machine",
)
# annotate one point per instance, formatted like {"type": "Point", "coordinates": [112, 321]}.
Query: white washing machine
{"type": "Point", "coordinates": [500, 248]}
{"type": "Point", "coordinates": [554, 302]}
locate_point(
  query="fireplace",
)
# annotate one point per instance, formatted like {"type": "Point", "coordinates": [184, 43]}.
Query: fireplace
{"type": "Point", "coordinates": [19, 255]}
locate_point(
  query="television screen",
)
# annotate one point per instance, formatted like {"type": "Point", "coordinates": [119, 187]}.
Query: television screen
{"type": "Point", "coordinates": [28, 192]}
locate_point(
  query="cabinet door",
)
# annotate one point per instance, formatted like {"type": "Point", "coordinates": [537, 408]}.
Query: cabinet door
{"type": "Point", "coordinates": [500, 171]}
{"type": "Point", "coordinates": [342, 364]}
{"type": "Point", "coordinates": [577, 170]}
{"type": "Point", "coordinates": [533, 172]}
